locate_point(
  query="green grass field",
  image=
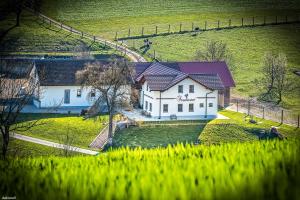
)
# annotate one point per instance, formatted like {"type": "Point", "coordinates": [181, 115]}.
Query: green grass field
{"type": "Point", "coordinates": [56, 127]}
{"type": "Point", "coordinates": [156, 136]}
{"type": "Point", "coordinates": [235, 129]}
{"type": "Point", "coordinates": [34, 37]}
{"type": "Point", "coordinates": [258, 170]}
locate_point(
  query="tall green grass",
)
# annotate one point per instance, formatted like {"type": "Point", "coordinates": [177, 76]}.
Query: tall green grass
{"type": "Point", "coordinates": [258, 170]}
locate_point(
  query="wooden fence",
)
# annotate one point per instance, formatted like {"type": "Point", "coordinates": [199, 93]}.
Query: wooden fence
{"type": "Point", "coordinates": [135, 57]}
{"type": "Point", "coordinates": [249, 107]}
{"type": "Point", "coordinates": [161, 30]}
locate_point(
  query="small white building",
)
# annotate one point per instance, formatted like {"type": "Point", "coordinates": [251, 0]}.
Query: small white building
{"type": "Point", "coordinates": [166, 92]}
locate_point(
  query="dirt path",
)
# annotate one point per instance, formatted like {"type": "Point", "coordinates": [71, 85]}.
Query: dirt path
{"type": "Point", "coordinates": [53, 144]}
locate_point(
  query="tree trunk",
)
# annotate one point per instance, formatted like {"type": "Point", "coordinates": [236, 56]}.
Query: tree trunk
{"type": "Point", "coordinates": [5, 141]}
{"type": "Point", "coordinates": [110, 128]}
{"type": "Point", "coordinates": [18, 16]}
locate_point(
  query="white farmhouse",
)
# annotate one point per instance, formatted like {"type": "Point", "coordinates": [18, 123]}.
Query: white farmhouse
{"type": "Point", "coordinates": [169, 90]}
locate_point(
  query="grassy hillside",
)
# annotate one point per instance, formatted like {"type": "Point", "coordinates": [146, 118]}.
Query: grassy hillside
{"type": "Point", "coordinates": [257, 170]}
{"type": "Point", "coordinates": [34, 37]}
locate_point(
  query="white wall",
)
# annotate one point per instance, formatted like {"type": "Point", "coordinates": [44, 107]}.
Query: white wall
{"type": "Point", "coordinates": [52, 96]}
{"type": "Point", "coordinates": [198, 97]}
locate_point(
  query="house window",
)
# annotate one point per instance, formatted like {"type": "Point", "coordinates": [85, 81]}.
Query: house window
{"type": "Point", "coordinates": [210, 105]}
{"type": "Point", "coordinates": [180, 88]}
{"type": "Point", "coordinates": [93, 93]}
{"type": "Point", "coordinates": [191, 89]}
{"type": "Point", "coordinates": [201, 105]}
{"type": "Point", "coordinates": [78, 92]}
{"type": "Point", "coordinates": [191, 107]}
{"type": "Point", "coordinates": [179, 108]}
{"type": "Point", "coordinates": [146, 105]}
{"type": "Point", "coordinates": [165, 108]}
{"type": "Point", "coordinates": [150, 107]}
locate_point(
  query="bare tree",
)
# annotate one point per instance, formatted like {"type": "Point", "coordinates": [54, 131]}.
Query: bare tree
{"type": "Point", "coordinates": [274, 77]}
{"type": "Point", "coordinates": [216, 51]}
{"type": "Point", "coordinates": [18, 85]}
{"type": "Point", "coordinates": [281, 82]}
{"type": "Point", "coordinates": [112, 81]}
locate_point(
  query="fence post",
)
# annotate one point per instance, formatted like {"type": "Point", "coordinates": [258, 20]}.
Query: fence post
{"type": "Point", "coordinates": [94, 38]}
{"type": "Point", "coordinates": [142, 31]}
{"type": "Point", "coordinates": [264, 20]}
{"type": "Point", "coordinates": [252, 21]}
{"type": "Point", "coordinates": [116, 36]}
{"type": "Point", "coordinates": [169, 28]}
{"type": "Point", "coordinates": [218, 24]}
{"type": "Point", "coordinates": [298, 121]}
{"type": "Point", "coordinates": [180, 28]}
{"type": "Point", "coordinates": [192, 26]}
{"type": "Point", "coordinates": [155, 30]}
{"type": "Point", "coordinates": [242, 21]}
{"type": "Point", "coordinates": [281, 117]}
{"type": "Point", "coordinates": [129, 32]}
{"type": "Point", "coordinates": [82, 34]}
{"type": "Point", "coordinates": [237, 105]}
{"type": "Point", "coordinates": [249, 107]}
{"type": "Point", "coordinates": [229, 22]}
{"type": "Point", "coordinates": [205, 25]}
{"type": "Point", "coordinates": [276, 19]}
{"type": "Point", "coordinates": [263, 113]}
{"type": "Point", "coordinates": [60, 25]}
{"type": "Point", "coordinates": [50, 22]}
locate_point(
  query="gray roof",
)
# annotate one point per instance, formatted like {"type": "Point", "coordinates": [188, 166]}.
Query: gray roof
{"type": "Point", "coordinates": [16, 69]}
{"type": "Point", "coordinates": [160, 77]}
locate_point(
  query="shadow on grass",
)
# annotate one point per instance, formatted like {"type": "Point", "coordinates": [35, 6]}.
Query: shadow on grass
{"type": "Point", "coordinates": [4, 33]}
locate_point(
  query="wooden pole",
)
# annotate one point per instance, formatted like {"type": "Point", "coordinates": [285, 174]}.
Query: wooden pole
{"type": "Point", "coordinates": [298, 121]}
{"type": "Point", "coordinates": [116, 36]}
{"type": "Point", "coordinates": [61, 26]}
{"type": "Point", "coordinates": [129, 32]}
{"type": "Point", "coordinates": [142, 31]}
{"type": "Point", "coordinates": [281, 117]}
{"type": "Point", "coordinates": [155, 30]}
{"type": "Point", "coordinates": [180, 28]}
{"type": "Point", "coordinates": [218, 24]}
{"type": "Point", "coordinates": [82, 34]}
{"type": "Point", "coordinates": [248, 107]}
{"type": "Point", "coordinates": [263, 113]}
{"type": "Point", "coordinates": [192, 26]}
{"type": "Point", "coordinates": [169, 28]}
{"type": "Point", "coordinates": [237, 105]}
{"type": "Point", "coordinates": [264, 20]}
{"type": "Point", "coordinates": [242, 21]}
{"type": "Point", "coordinates": [94, 38]}
{"type": "Point", "coordinates": [205, 25]}
{"type": "Point", "coordinates": [229, 23]}
{"type": "Point", "coordinates": [253, 21]}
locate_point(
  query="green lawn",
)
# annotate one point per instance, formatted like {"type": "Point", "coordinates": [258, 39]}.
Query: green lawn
{"type": "Point", "coordinates": [238, 129]}
{"type": "Point", "coordinates": [159, 135]}
{"type": "Point", "coordinates": [56, 127]}
{"type": "Point", "coordinates": [235, 129]}
{"type": "Point", "coordinates": [33, 37]}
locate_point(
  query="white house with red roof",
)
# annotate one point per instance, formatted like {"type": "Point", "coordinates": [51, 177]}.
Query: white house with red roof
{"type": "Point", "coordinates": [183, 90]}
